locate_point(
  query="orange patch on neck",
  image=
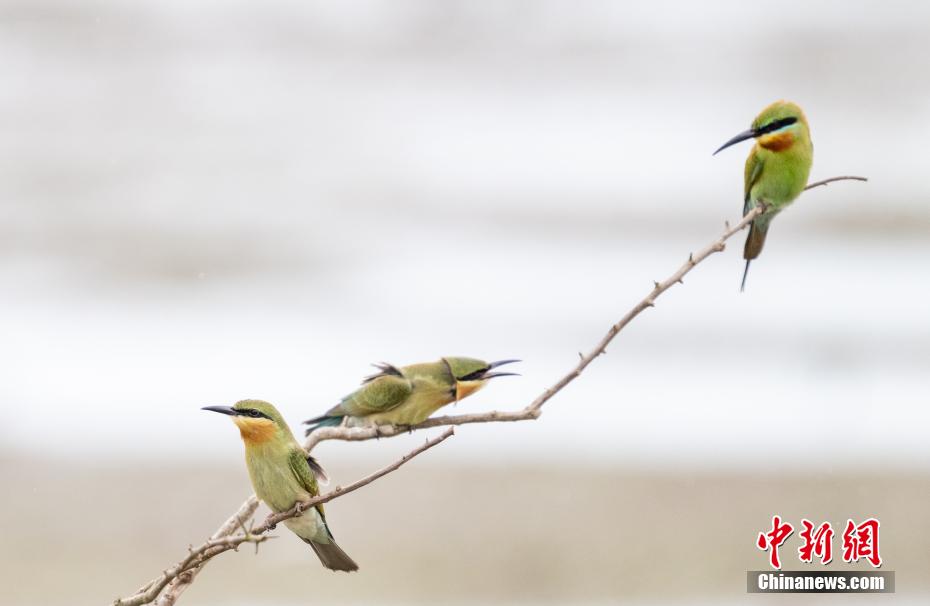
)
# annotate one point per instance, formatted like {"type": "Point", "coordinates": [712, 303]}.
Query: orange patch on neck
{"type": "Point", "coordinates": [463, 389]}
{"type": "Point", "coordinates": [777, 141]}
{"type": "Point", "coordinates": [255, 431]}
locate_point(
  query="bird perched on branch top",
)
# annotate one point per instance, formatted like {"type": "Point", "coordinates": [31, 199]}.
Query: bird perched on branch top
{"type": "Point", "coordinates": [282, 474]}
{"type": "Point", "coordinates": [776, 169]}
{"type": "Point", "coordinates": [408, 395]}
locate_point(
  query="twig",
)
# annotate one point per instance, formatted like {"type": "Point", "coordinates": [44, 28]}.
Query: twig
{"type": "Point", "coordinates": [356, 434]}
{"type": "Point", "coordinates": [195, 557]}
{"type": "Point", "coordinates": [832, 179]}
{"type": "Point", "coordinates": [276, 518]}
{"type": "Point", "coordinates": [533, 410]}
{"type": "Point", "coordinates": [182, 579]}
{"type": "Point", "coordinates": [199, 556]}
{"type": "Point", "coordinates": [180, 583]}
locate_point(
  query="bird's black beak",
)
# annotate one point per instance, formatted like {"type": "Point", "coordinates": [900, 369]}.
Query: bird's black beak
{"type": "Point", "coordinates": [491, 375]}
{"type": "Point", "coordinates": [501, 363]}
{"type": "Point", "coordinates": [226, 410]}
{"type": "Point", "coordinates": [746, 134]}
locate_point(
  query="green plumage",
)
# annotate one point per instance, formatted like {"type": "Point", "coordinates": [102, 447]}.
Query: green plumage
{"type": "Point", "coordinates": [282, 474]}
{"type": "Point", "coordinates": [408, 395]}
{"type": "Point", "coordinates": [776, 170]}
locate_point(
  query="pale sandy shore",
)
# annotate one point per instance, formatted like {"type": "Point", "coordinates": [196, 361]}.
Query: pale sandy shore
{"type": "Point", "coordinates": [81, 535]}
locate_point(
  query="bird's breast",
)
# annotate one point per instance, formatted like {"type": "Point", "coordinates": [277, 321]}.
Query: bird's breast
{"type": "Point", "coordinates": [273, 480]}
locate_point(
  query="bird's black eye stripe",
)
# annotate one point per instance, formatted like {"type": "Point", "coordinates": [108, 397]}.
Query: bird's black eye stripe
{"type": "Point", "coordinates": [475, 375]}
{"type": "Point", "coordinates": [773, 126]}
{"type": "Point", "coordinates": [255, 414]}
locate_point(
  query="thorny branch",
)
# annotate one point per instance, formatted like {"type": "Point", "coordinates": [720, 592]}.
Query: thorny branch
{"type": "Point", "coordinates": [197, 557]}
{"type": "Point", "coordinates": [533, 410]}
{"type": "Point", "coordinates": [180, 576]}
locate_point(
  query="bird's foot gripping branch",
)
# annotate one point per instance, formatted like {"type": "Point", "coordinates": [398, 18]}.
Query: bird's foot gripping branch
{"type": "Point", "coordinates": [165, 589]}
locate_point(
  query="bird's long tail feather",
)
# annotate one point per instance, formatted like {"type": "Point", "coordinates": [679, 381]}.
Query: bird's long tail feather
{"type": "Point", "coordinates": [332, 556]}
{"type": "Point", "coordinates": [742, 285]}
{"type": "Point", "coordinates": [754, 243]}
{"type": "Point", "coordinates": [323, 421]}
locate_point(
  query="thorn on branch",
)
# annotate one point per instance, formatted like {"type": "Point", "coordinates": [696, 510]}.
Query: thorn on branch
{"type": "Point", "coordinates": [185, 572]}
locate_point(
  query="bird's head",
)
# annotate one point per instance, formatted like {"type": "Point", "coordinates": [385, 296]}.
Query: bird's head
{"type": "Point", "coordinates": [257, 420]}
{"type": "Point", "coordinates": [471, 374]}
{"type": "Point", "coordinates": [776, 128]}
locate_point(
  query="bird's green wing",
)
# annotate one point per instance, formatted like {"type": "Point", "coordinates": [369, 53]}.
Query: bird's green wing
{"type": "Point", "coordinates": [752, 174]}
{"type": "Point", "coordinates": [380, 393]}
{"type": "Point", "coordinates": [297, 461]}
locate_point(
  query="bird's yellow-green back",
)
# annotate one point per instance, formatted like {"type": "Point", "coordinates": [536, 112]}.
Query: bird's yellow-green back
{"type": "Point", "coordinates": [408, 395]}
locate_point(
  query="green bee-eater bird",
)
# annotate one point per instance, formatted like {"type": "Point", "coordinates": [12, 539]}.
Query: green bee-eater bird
{"type": "Point", "coordinates": [283, 474]}
{"type": "Point", "coordinates": [776, 169]}
{"type": "Point", "coordinates": [408, 395]}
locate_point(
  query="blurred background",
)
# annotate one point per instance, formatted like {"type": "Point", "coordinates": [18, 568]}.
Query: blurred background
{"type": "Point", "coordinates": [203, 202]}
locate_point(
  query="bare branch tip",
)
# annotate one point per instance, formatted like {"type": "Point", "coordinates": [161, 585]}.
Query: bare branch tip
{"type": "Point", "coordinates": [182, 574]}
{"type": "Point", "coordinates": [832, 179]}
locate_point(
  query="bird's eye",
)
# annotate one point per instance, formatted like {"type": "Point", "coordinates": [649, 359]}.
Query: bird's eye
{"type": "Point", "coordinates": [254, 414]}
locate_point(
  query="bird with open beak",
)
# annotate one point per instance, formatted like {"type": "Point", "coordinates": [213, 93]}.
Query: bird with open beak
{"type": "Point", "coordinates": [408, 395]}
